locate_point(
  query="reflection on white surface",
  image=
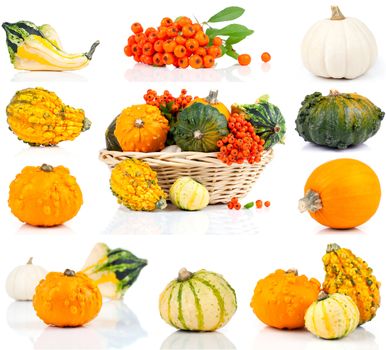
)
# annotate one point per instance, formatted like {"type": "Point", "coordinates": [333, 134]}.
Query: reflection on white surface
{"type": "Point", "coordinates": [28, 77]}
{"type": "Point", "coordinates": [265, 67]}
{"type": "Point", "coordinates": [116, 326]}
{"type": "Point", "coordinates": [26, 229]}
{"type": "Point", "coordinates": [328, 231]}
{"type": "Point", "coordinates": [143, 73]}
{"type": "Point", "coordinates": [215, 219]}
{"type": "Point", "coordinates": [197, 340]}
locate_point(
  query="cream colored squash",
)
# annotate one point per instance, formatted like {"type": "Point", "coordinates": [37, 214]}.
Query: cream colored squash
{"type": "Point", "coordinates": [22, 281]}
{"type": "Point", "coordinates": [188, 194]}
{"type": "Point", "coordinates": [200, 301]}
{"type": "Point", "coordinates": [339, 47]}
{"type": "Point", "coordinates": [332, 316]}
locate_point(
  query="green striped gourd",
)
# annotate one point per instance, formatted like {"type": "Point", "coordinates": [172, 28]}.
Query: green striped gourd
{"type": "Point", "coordinates": [332, 316]}
{"type": "Point", "coordinates": [338, 120]}
{"type": "Point", "coordinates": [113, 270]}
{"type": "Point", "coordinates": [266, 118]}
{"type": "Point", "coordinates": [188, 194]}
{"type": "Point", "coordinates": [200, 301]}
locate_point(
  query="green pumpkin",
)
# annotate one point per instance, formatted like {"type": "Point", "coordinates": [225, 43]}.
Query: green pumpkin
{"type": "Point", "coordinates": [266, 118]}
{"type": "Point", "coordinates": [338, 120]}
{"type": "Point", "coordinates": [112, 143]}
{"type": "Point", "coordinates": [199, 127]}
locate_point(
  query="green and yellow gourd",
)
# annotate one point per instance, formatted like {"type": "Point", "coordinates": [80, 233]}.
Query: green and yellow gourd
{"type": "Point", "coordinates": [188, 194]}
{"type": "Point", "coordinates": [338, 120]}
{"type": "Point", "coordinates": [199, 127]}
{"type": "Point", "coordinates": [332, 316]}
{"type": "Point", "coordinates": [200, 301]}
{"type": "Point", "coordinates": [40, 118]}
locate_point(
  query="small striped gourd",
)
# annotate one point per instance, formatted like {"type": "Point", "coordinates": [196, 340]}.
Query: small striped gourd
{"type": "Point", "coordinates": [332, 316]}
{"type": "Point", "coordinates": [200, 301]}
{"type": "Point", "coordinates": [188, 194]}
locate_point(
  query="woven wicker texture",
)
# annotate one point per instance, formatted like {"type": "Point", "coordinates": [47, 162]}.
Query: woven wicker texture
{"type": "Point", "coordinates": [222, 181]}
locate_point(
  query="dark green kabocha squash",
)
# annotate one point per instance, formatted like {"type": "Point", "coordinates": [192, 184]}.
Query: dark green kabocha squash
{"type": "Point", "coordinates": [199, 127]}
{"type": "Point", "coordinates": [112, 143]}
{"type": "Point", "coordinates": [266, 118]}
{"type": "Point", "coordinates": [338, 120]}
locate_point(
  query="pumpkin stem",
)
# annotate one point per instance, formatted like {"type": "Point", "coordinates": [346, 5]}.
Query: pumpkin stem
{"type": "Point", "coordinates": [332, 247]}
{"type": "Point", "coordinates": [263, 98]}
{"type": "Point", "coordinates": [310, 202]}
{"type": "Point", "coordinates": [69, 273]}
{"type": "Point", "coordinates": [334, 92]}
{"type": "Point", "coordinates": [276, 129]}
{"type": "Point", "coordinates": [294, 271]}
{"type": "Point", "coordinates": [322, 295]}
{"type": "Point", "coordinates": [212, 97]}
{"type": "Point", "coordinates": [184, 275]}
{"type": "Point", "coordinates": [29, 262]}
{"type": "Point", "coordinates": [86, 124]}
{"type": "Point", "coordinates": [161, 204]}
{"type": "Point", "coordinates": [336, 15]}
{"type": "Point", "coordinates": [92, 50]}
{"type": "Point", "coordinates": [198, 135]}
{"type": "Point", "coordinates": [47, 168]}
{"type": "Point", "coordinates": [139, 123]}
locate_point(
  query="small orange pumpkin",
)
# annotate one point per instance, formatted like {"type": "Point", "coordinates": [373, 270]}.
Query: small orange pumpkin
{"type": "Point", "coordinates": [282, 298]}
{"type": "Point", "coordinates": [211, 99]}
{"type": "Point", "coordinates": [141, 128]}
{"type": "Point", "coordinates": [67, 299]}
{"type": "Point", "coordinates": [342, 193]}
{"type": "Point", "coordinates": [44, 196]}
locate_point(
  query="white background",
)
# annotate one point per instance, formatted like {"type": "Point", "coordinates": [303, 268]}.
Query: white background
{"type": "Point", "coordinates": [244, 246]}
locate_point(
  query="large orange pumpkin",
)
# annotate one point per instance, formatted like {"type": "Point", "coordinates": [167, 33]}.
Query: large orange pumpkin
{"type": "Point", "coordinates": [67, 299]}
{"type": "Point", "coordinates": [282, 298]}
{"type": "Point", "coordinates": [211, 99]}
{"type": "Point", "coordinates": [342, 193]}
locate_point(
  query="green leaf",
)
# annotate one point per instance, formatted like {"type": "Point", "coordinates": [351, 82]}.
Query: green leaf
{"type": "Point", "coordinates": [228, 14]}
{"type": "Point", "coordinates": [234, 39]}
{"type": "Point", "coordinates": [233, 29]}
{"type": "Point", "coordinates": [230, 51]}
{"type": "Point", "coordinates": [249, 205]}
{"type": "Point", "coordinates": [211, 32]}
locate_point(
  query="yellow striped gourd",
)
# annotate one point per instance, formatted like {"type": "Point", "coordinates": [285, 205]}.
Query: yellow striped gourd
{"type": "Point", "coordinates": [188, 194]}
{"type": "Point", "coordinates": [200, 301]}
{"type": "Point", "coordinates": [332, 316]}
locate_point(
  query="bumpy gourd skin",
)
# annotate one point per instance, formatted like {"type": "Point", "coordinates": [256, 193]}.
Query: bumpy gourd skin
{"type": "Point", "coordinates": [281, 299]}
{"type": "Point", "coordinates": [338, 120]}
{"type": "Point", "coordinates": [39, 118]}
{"type": "Point", "coordinates": [350, 275]}
{"type": "Point", "coordinates": [67, 301]}
{"type": "Point", "coordinates": [135, 185]}
{"type": "Point", "coordinates": [44, 198]}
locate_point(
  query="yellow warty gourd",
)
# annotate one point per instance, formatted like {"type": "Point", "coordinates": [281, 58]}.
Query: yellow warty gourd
{"type": "Point", "coordinates": [135, 185]}
{"type": "Point", "coordinates": [39, 118]}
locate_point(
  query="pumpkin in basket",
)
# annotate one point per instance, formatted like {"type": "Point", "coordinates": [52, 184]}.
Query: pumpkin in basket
{"type": "Point", "coordinates": [44, 195]}
{"type": "Point", "coordinates": [139, 128]}
{"type": "Point", "coordinates": [199, 127]}
{"type": "Point", "coordinates": [135, 185]}
{"type": "Point", "coordinates": [188, 194]}
{"type": "Point", "coordinates": [211, 99]}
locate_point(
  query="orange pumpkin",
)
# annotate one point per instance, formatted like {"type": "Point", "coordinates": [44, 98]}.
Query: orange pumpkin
{"type": "Point", "coordinates": [44, 195]}
{"type": "Point", "coordinates": [211, 99]}
{"type": "Point", "coordinates": [67, 299]}
{"type": "Point", "coordinates": [141, 128]}
{"type": "Point", "coordinates": [282, 298]}
{"type": "Point", "coordinates": [341, 193]}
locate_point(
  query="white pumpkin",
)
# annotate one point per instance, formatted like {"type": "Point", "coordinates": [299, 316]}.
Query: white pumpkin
{"type": "Point", "coordinates": [339, 47]}
{"type": "Point", "coordinates": [22, 281]}
{"type": "Point", "coordinates": [332, 316]}
{"type": "Point", "coordinates": [188, 194]}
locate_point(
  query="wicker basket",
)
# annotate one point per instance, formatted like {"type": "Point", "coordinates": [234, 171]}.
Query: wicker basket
{"type": "Point", "coordinates": [222, 181]}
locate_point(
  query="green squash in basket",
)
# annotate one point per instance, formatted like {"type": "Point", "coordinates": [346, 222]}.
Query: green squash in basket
{"type": "Point", "coordinates": [338, 120]}
{"type": "Point", "coordinates": [112, 143]}
{"type": "Point", "coordinates": [266, 118]}
{"type": "Point", "coordinates": [199, 127]}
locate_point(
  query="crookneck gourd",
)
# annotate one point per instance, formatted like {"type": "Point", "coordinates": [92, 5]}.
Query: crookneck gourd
{"type": "Point", "coordinates": [44, 195]}
{"type": "Point", "coordinates": [135, 185]}
{"type": "Point", "coordinates": [40, 118]}
{"type": "Point", "coordinates": [67, 299]}
{"type": "Point", "coordinates": [113, 270]}
{"type": "Point", "coordinates": [199, 127]}
{"type": "Point", "coordinates": [266, 118]}
{"type": "Point", "coordinates": [281, 299]}
{"type": "Point", "coordinates": [338, 120]}
{"type": "Point", "coordinates": [199, 301]}
{"type": "Point", "coordinates": [348, 274]}
{"type": "Point", "coordinates": [139, 128]}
